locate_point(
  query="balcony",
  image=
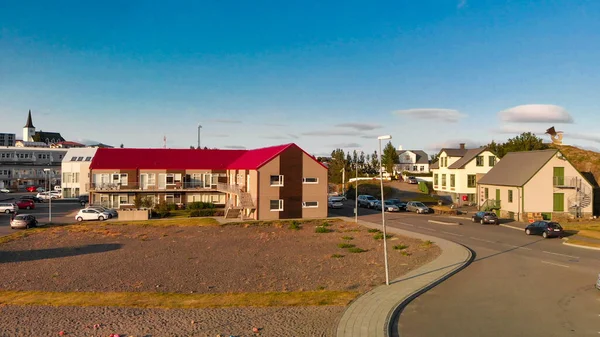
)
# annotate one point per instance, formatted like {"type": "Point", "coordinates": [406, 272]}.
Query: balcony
{"type": "Point", "coordinates": [135, 187]}
{"type": "Point", "coordinates": [566, 182]}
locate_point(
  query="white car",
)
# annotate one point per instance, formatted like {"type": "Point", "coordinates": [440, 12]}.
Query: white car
{"type": "Point", "coordinates": [111, 211]}
{"type": "Point", "coordinates": [91, 214]}
{"type": "Point", "coordinates": [58, 189]}
{"type": "Point", "coordinates": [335, 202]}
{"type": "Point", "coordinates": [7, 207]}
{"type": "Point", "coordinates": [48, 195]}
{"type": "Point", "coordinates": [4, 190]}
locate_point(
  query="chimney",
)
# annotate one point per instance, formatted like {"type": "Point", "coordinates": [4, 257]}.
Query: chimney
{"type": "Point", "coordinates": [462, 146]}
{"type": "Point", "coordinates": [399, 147]}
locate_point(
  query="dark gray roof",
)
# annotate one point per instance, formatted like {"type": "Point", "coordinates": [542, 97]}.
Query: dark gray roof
{"type": "Point", "coordinates": [516, 168]}
{"type": "Point", "coordinates": [454, 152]}
{"type": "Point", "coordinates": [422, 157]}
{"type": "Point", "coordinates": [466, 158]}
{"type": "Point", "coordinates": [42, 136]}
{"type": "Point", "coordinates": [29, 123]}
{"type": "Point", "coordinates": [435, 165]}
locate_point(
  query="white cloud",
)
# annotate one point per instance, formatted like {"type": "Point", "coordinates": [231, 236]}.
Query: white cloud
{"type": "Point", "coordinates": [234, 147]}
{"type": "Point", "coordinates": [581, 136]}
{"type": "Point", "coordinates": [86, 141]}
{"type": "Point", "coordinates": [329, 133]}
{"type": "Point", "coordinates": [589, 148]}
{"type": "Point", "coordinates": [360, 126]}
{"type": "Point", "coordinates": [454, 144]}
{"type": "Point", "coordinates": [446, 115]}
{"type": "Point", "coordinates": [536, 113]}
{"type": "Point", "coordinates": [346, 145]}
{"type": "Point", "coordinates": [369, 136]}
{"type": "Point", "coordinates": [274, 124]}
{"type": "Point", "coordinates": [293, 136]}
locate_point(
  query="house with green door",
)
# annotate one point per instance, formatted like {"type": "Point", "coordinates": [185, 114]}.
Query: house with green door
{"type": "Point", "coordinates": [529, 183]}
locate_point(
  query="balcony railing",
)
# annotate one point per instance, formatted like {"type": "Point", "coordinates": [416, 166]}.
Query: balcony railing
{"type": "Point", "coordinates": [97, 187]}
{"type": "Point", "coordinates": [565, 182]}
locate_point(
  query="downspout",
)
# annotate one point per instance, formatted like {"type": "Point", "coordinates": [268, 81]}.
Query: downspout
{"type": "Point", "coordinates": [522, 210]}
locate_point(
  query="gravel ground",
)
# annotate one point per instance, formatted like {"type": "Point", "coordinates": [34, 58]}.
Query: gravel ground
{"type": "Point", "coordinates": [106, 257]}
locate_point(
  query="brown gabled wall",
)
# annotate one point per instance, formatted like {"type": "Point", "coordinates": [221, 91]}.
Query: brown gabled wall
{"type": "Point", "coordinates": [290, 166]}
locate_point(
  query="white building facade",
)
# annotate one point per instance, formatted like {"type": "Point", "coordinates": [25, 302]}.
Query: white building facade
{"type": "Point", "coordinates": [21, 167]}
{"type": "Point", "coordinates": [412, 161]}
{"type": "Point", "coordinates": [75, 169]}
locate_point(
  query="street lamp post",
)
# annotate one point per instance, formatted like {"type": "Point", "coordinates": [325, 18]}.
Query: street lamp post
{"type": "Point", "coordinates": [387, 274]}
{"type": "Point", "coordinates": [47, 170]}
{"type": "Point", "coordinates": [199, 127]}
{"type": "Point", "coordinates": [356, 193]}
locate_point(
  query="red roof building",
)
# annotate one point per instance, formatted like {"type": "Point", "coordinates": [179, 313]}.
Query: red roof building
{"type": "Point", "coordinates": [276, 182]}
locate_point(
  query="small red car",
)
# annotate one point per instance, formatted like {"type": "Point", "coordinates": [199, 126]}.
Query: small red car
{"type": "Point", "coordinates": [31, 188]}
{"type": "Point", "coordinates": [26, 204]}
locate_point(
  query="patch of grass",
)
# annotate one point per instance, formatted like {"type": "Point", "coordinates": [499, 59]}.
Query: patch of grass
{"type": "Point", "coordinates": [326, 224]}
{"type": "Point", "coordinates": [427, 244]}
{"type": "Point", "coordinates": [373, 230]}
{"type": "Point", "coordinates": [405, 253]}
{"type": "Point", "coordinates": [346, 245]}
{"type": "Point", "coordinates": [17, 236]}
{"type": "Point", "coordinates": [583, 243]}
{"type": "Point", "coordinates": [321, 229]}
{"type": "Point", "coordinates": [379, 236]}
{"type": "Point", "coordinates": [356, 250]}
{"type": "Point", "coordinates": [294, 225]}
{"type": "Point", "coordinates": [273, 223]}
{"type": "Point", "coordinates": [337, 256]}
{"type": "Point", "coordinates": [347, 238]}
{"type": "Point", "coordinates": [400, 247]}
{"type": "Point", "coordinates": [424, 198]}
{"type": "Point", "coordinates": [176, 300]}
{"type": "Point", "coordinates": [182, 222]}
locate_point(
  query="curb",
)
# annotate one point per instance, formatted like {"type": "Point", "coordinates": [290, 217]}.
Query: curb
{"type": "Point", "coordinates": [512, 227]}
{"type": "Point", "coordinates": [445, 223]}
{"type": "Point", "coordinates": [566, 243]}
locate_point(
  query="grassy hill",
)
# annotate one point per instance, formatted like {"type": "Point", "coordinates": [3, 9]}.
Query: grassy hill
{"type": "Point", "coordinates": [583, 160]}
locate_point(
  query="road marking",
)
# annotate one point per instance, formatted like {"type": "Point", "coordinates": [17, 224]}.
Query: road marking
{"type": "Point", "coordinates": [429, 229]}
{"type": "Point", "coordinates": [483, 240]}
{"type": "Point", "coordinates": [406, 224]}
{"type": "Point", "coordinates": [509, 226]}
{"type": "Point", "coordinates": [452, 233]}
{"type": "Point", "coordinates": [516, 247]}
{"type": "Point", "coordinates": [559, 254]}
{"type": "Point", "coordinates": [444, 223]}
{"type": "Point", "coordinates": [556, 264]}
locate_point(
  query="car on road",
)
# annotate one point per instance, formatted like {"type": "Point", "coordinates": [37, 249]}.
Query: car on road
{"type": "Point", "coordinates": [390, 206]}
{"type": "Point", "coordinates": [4, 190]}
{"type": "Point", "coordinates": [401, 205]}
{"type": "Point", "coordinates": [8, 207]}
{"type": "Point", "coordinates": [31, 197]}
{"type": "Point", "coordinates": [335, 202]}
{"type": "Point", "coordinates": [547, 229]}
{"type": "Point", "coordinates": [47, 196]}
{"type": "Point", "coordinates": [412, 180]}
{"type": "Point", "coordinates": [417, 206]}
{"type": "Point", "coordinates": [111, 211]}
{"type": "Point", "coordinates": [365, 200]}
{"type": "Point", "coordinates": [83, 199]}
{"type": "Point", "coordinates": [486, 217]}
{"type": "Point", "coordinates": [23, 221]}
{"type": "Point", "coordinates": [91, 214]}
{"type": "Point", "coordinates": [31, 189]}
{"type": "Point", "coordinates": [25, 204]}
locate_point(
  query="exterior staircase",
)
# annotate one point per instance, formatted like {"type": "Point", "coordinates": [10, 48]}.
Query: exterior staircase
{"type": "Point", "coordinates": [244, 201]}
{"type": "Point", "coordinates": [582, 198]}
{"type": "Point", "coordinates": [490, 205]}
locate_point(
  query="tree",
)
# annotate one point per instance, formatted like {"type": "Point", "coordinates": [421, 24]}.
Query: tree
{"type": "Point", "coordinates": [336, 165]}
{"type": "Point", "coordinates": [434, 157]}
{"type": "Point", "coordinates": [389, 158]}
{"type": "Point", "coordinates": [374, 167]}
{"type": "Point", "coordinates": [526, 141]}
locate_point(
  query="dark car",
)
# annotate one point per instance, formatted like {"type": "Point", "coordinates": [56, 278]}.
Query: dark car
{"type": "Point", "coordinates": [83, 199]}
{"type": "Point", "coordinates": [485, 217]}
{"type": "Point", "coordinates": [23, 221]}
{"type": "Point", "coordinates": [412, 180]}
{"type": "Point", "coordinates": [31, 197]}
{"type": "Point", "coordinates": [401, 205]}
{"type": "Point", "coordinates": [547, 229]}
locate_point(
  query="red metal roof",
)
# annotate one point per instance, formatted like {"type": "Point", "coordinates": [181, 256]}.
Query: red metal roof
{"type": "Point", "coordinates": [180, 159]}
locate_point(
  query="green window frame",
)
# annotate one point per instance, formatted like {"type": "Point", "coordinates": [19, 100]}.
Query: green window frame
{"type": "Point", "coordinates": [558, 202]}
{"type": "Point", "coordinates": [492, 160]}
{"type": "Point", "coordinates": [510, 196]}
{"type": "Point", "coordinates": [479, 160]}
{"type": "Point", "coordinates": [471, 180]}
{"type": "Point", "coordinates": [435, 179]}
{"type": "Point", "coordinates": [443, 180]}
{"type": "Point", "coordinates": [487, 193]}
{"type": "Point", "coordinates": [452, 180]}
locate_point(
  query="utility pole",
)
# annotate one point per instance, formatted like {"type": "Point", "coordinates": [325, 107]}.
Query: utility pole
{"type": "Point", "coordinates": [344, 180]}
{"type": "Point", "coordinates": [199, 127]}
{"type": "Point", "coordinates": [356, 194]}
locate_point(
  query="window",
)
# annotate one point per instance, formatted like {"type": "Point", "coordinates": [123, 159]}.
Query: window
{"type": "Point", "coordinates": [443, 180]}
{"type": "Point", "coordinates": [79, 158]}
{"type": "Point", "coordinates": [123, 199]}
{"type": "Point", "coordinates": [88, 158]}
{"type": "Point", "coordinates": [170, 179]}
{"type": "Point", "coordinates": [487, 193]}
{"type": "Point", "coordinates": [452, 180]}
{"type": "Point", "coordinates": [310, 180]}
{"type": "Point", "coordinates": [435, 179]}
{"type": "Point", "coordinates": [492, 160]}
{"type": "Point", "coordinates": [277, 180]}
{"type": "Point", "coordinates": [510, 195]}
{"type": "Point", "coordinates": [276, 205]}
{"type": "Point", "coordinates": [422, 168]}
{"type": "Point", "coordinates": [310, 204]}
{"type": "Point", "coordinates": [414, 168]}
{"type": "Point", "coordinates": [471, 180]}
{"type": "Point", "coordinates": [479, 160]}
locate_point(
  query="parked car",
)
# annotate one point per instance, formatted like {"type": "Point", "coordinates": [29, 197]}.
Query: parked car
{"type": "Point", "coordinates": [335, 202]}
{"type": "Point", "coordinates": [111, 211]}
{"type": "Point", "coordinates": [91, 214]}
{"type": "Point", "coordinates": [83, 199]}
{"type": "Point", "coordinates": [412, 180]}
{"type": "Point", "coordinates": [417, 206]}
{"type": "Point", "coordinates": [367, 201]}
{"type": "Point", "coordinates": [486, 217]}
{"type": "Point", "coordinates": [7, 207]}
{"type": "Point", "coordinates": [47, 196]}
{"type": "Point", "coordinates": [546, 228]}
{"type": "Point", "coordinates": [56, 193]}
{"type": "Point", "coordinates": [25, 204]}
{"type": "Point", "coordinates": [32, 189]}
{"type": "Point", "coordinates": [23, 221]}
{"type": "Point", "coordinates": [40, 189]}
{"type": "Point", "coordinates": [390, 206]}
{"type": "Point", "coordinates": [57, 188]}
{"type": "Point", "coordinates": [401, 205]}
{"type": "Point", "coordinates": [4, 190]}
{"type": "Point", "coordinates": [31, 197]}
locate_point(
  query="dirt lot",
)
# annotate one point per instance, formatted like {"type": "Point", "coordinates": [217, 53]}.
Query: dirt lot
{"type": "Point", "coordinates": [223, 259]}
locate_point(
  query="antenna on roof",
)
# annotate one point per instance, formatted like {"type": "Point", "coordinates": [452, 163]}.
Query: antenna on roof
{"type": "Point", "coordinates": [165, 141]}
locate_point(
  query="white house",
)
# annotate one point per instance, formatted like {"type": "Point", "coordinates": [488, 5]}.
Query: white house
{"type": "Point", "coordinates": [457, 171]}
{"type": "Point", "coordinates": [413, 161]}
{"type": "Point", "coordinates": [76, 171]}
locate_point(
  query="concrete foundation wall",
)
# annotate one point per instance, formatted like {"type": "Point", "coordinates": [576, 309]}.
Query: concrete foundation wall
{"type": "Point", "coordinates": [133, 215]}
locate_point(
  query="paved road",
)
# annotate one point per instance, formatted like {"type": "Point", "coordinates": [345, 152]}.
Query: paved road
{"type": "Point", "coordinates": [518, 285]}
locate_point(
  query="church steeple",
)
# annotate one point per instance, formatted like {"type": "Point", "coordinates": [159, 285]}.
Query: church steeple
{"type": "Point", "coordinates": [29, 122]}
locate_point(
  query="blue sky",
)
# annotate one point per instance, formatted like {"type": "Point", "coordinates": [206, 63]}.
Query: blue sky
{"type": "Point", "coordinates": [431, 73]}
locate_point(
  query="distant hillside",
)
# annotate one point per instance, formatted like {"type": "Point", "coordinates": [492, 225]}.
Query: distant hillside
{"type": "Point", "coordinates": [583, 160]}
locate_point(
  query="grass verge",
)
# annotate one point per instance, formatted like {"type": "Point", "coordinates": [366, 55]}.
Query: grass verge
{"type": "Point", "coordinates": [178, 222]}
{"type": "Point", "coordinates": [177, 301]}
{"type": "Point", "coordinates": [583, 243]}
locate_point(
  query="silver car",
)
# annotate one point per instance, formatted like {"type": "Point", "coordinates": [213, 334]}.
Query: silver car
{"type": "Point", "coordinates": [7, 207]}
{"type": "Point", "coordinates": [335, 202]}
{"type": "Point", "coordinates": [417, 206]}
{"type": "Point", "coordinates": [390, 206]}
{"type": "Point", "coordinates": [23, 221]}
{"type": "Point", "coordinates": [111, 211]}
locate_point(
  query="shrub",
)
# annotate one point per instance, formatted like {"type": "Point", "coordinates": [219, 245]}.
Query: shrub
{"type": "Point", "coordinates": [202, 212]}
{"type": "Point", "coordinates": [321, 229]}
{"type": "Point", "coordinates": [346, 245]}
{"type": "Point", "coordinates": [423, 187]}
{"type": "Point", "coordinates": [373, 230]}
{"type": "Point", "coordinates": [200, 205]}
{"type": "Point", "coordinates": [427, 244]}
{"type": "Point", "coordinates": [295, 225]}
{"type": "Point", "coordinates": [400, 247]}
{"type": "Point", "coordinates": [404, 253]}
{"type": "Point", "coordinates": [337, 256]}
{"type": "Point", "coordinates": [379, 236]}
{"type": "Point", "coordinates": [347, 238]}
{"type": "Point", "coordinates": [326, 224]}
{"type": "Point", "coordinates": [356, 250]}
{"type": "Point", "coordinates": [163, 209]}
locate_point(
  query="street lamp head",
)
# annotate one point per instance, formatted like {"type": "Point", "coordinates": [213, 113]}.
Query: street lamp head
{"type": "Point", "coordinates": [384, 137]}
